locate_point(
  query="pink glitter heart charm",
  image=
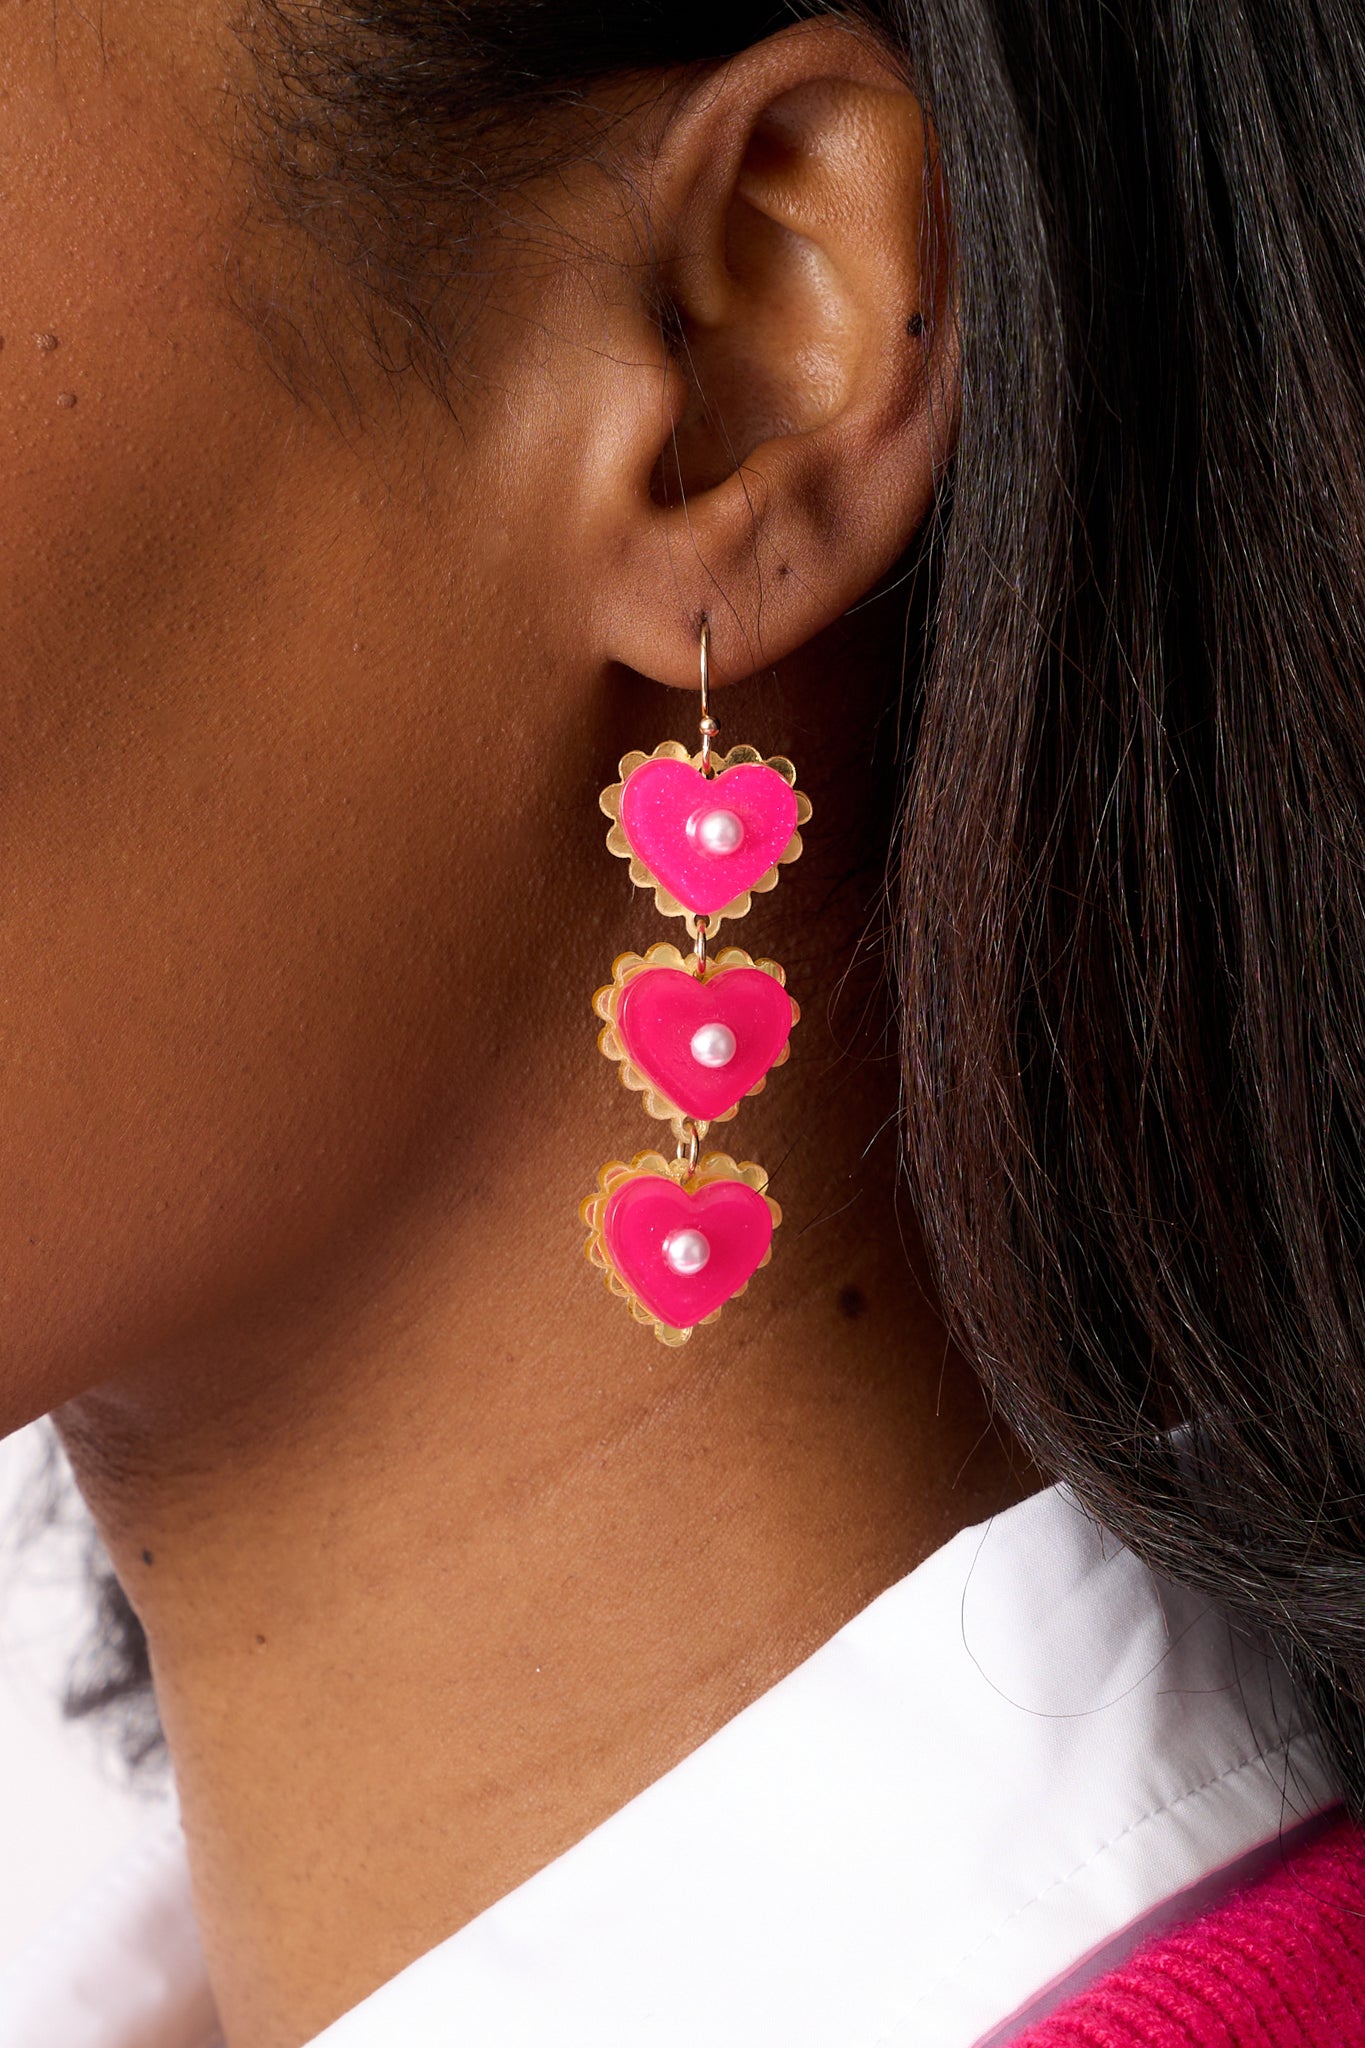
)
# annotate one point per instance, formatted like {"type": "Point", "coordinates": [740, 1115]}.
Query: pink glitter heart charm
{"type": "Point", "coordinates": [679, 1249]}
{"type": "Point", "coordinates": [695, 1045]}
{"type": "Point", "coordinates": [705, 843]}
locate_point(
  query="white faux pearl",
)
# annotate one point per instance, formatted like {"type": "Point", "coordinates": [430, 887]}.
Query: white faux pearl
{"type": "Point", "coordinates": [686, 1251]}
{"type": "Point", "coordinates": [718, 832]}
{"type": "Point", "coordinates": [713, 1045]}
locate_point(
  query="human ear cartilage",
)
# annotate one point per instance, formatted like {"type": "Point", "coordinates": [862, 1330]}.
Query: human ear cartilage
{"type": "Point", "coordinates": [693, 1034]}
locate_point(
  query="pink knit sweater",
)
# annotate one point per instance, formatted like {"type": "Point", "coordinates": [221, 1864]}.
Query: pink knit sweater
{"type": "Point", "coordinates": [1279, 1965]}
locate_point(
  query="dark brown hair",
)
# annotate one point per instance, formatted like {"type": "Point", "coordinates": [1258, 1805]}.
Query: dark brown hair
{"type": "Point", "coordinates": [1130, 864]}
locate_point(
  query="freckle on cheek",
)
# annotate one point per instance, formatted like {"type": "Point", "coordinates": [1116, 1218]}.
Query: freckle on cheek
{"type": "Point", "coordinates": [67, 398]}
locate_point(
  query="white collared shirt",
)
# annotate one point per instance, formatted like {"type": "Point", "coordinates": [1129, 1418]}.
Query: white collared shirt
{"type": "Point", "coordinates": [985, 1786]}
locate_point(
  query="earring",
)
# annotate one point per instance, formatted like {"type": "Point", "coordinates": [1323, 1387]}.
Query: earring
{"type": "Point", "coordinates": [694, 1033]}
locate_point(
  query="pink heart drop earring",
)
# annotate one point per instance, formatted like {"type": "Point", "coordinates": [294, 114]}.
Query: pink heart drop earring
{"type": "Point", "coordinates": [693, 1034]}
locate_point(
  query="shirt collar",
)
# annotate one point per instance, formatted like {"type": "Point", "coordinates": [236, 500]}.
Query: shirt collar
{"type": "Point", "coordinates": [1013, 1755]}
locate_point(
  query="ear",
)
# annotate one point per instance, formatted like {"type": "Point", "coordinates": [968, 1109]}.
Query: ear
{"type": "Point", "coordinates": [790, 452]}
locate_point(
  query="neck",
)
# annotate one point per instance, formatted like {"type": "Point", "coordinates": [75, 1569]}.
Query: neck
{"type": "Point", "coordinates": [439, 1570]}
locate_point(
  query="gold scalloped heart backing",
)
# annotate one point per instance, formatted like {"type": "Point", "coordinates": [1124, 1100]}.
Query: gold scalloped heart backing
{"type": "Point", "coordinates": [673, 750]}
{"type": "Point", "coordinates": [711, 1167]}
{"type": "Point", "coordinates": [607, 999]}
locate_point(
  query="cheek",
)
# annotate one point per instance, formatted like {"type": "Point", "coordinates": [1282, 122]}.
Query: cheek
{"type": "Point", "coordinates": [119, 375]}
{"type": "Point", "coordinates": [124, 383]}
{"type": "Point", "coordinates": [197, 1055]}
{"type": "Point", "coordinates": [253, 873]}
{"type": "Point", "coordinates": [222, 1000]}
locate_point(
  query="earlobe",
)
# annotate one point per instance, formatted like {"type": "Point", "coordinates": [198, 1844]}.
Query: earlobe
{"type": "Point", "coordinates": [809, 402]}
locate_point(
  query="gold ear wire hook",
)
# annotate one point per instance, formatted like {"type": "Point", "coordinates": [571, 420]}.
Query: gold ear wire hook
{"type": "Point", "coordinates": [708, 727]}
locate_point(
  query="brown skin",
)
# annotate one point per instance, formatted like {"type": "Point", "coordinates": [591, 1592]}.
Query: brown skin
{"type": "Point", "coordinates": [441, 1557]}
